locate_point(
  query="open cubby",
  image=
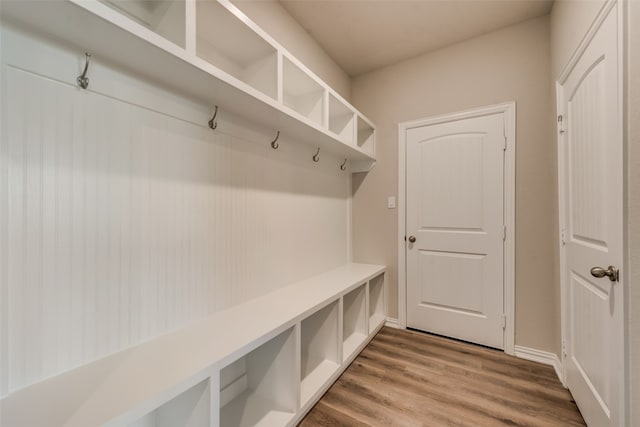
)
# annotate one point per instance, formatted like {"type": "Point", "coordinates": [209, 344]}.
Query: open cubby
{"type": "Point", "coordinates": [191, 408]}
{"type": "Point", "coordinates": [260, 388]}
{"type": "Point", "coordinates": [229, 44]}
{"type": "Point", "coordinates": [376, 302]}
{"type": "Point", "coordinates": [354, 323]}
{"type": "Point", "coordinates": [164, 17]}
{"type": "Point", "coordinates": [301, 93]}
{"type": "Point", "coordinates": [341, 120]}
{"type": "Point", "coordinates": [319, 350]}
{"type": "Point", "coordinates": [366, 139]}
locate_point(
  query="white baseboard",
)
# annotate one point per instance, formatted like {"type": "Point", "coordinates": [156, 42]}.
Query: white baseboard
{"type": "Point", "coordinates": [392, 323]}
{"type": "Point", "coordinates": [541, 357]}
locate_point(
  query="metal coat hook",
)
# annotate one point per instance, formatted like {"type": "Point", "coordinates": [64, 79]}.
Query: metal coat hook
{"type": "Point", "coordinates": [274, 143]}
{"type": "Point", "coordinates": [343, 166]}
{"type": "Point", "coordinates": [316, 157]}
{"type": "Point", "coordinates": [212, 123]}
{"type": "Point", "coordinates": [83, 80]}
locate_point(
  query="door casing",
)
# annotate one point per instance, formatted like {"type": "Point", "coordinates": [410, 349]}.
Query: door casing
{"type": "Point", "coordinates": [509, 111]}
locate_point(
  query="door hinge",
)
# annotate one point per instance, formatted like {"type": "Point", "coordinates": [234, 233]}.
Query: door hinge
{"type": "Point", "coordinates": [504, 134]}
{"type": "Point", "coordinates": [563, 237]}
{"type": "Point", "coordinates": [504, 322]}
{"type": "Point", "coordinates": [504, 233]}
{"type": "Point", "coordinates": [564, 349]}
{"type": "Point", "coordinates": [561, 124]}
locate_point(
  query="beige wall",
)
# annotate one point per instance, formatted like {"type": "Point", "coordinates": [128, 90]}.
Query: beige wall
{"type": "Point", "coordinates": [633, 191]}
{"type": "Point", "coordinates": [511, 64]}
{"type": "Point", "coordinates": [280, 25]}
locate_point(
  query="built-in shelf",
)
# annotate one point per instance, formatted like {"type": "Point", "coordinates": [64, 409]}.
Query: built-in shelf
{"type": "Point", "coordinates": [229, 44]}
{"type": "Point", "coordinates": [259, 389]}
{"type": "Point", "coordinates": [220, 58]}
{"type": "Point", "coordinates": [341, 120]}
{"type": "Point", "coordinates": [376, 302]}
{"type": "Point", "coordinates": [253, 363]}
{"type": "Point", "coordinates": [354, 326]}
{"type": "Point", "coordinates": [302, 93]}
{"type": "Point", "coordinates": [191, 408]}
{"type": "Point", "coordinates": [320, 351]}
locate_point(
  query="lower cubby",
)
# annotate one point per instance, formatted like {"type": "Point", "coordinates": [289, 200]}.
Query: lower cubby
{"type": "Point", "coordinates": [320, 351]}
{"type": "Point", "coordinates": [376, 301]}
{"type": "Point", "coordinates": [260, 388]}
{"type": "Point", "coordinates": [191, 408]}
{"type": "Point", "coordinates": [354, 326]}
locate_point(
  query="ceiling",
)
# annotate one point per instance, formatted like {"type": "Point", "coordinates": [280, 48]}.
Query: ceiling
{"type": "Point", "coordinates": [363, 35]}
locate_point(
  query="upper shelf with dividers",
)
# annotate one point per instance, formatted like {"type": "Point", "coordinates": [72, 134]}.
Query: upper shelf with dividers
{"type": "Point", "coordinates": [209, 50]}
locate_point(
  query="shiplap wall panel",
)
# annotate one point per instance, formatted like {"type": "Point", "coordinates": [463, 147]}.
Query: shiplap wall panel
{"type": "Point", "coordinates": [125, 216]}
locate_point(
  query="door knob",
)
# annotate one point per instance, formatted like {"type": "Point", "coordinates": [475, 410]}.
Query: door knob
{"type": "Point", "coordinates": [611, 272]}
{"type": "Point", "coordinates": [412, 239]}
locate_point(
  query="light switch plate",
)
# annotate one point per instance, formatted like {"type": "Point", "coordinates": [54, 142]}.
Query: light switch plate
{"type": "Point", "coordinates": [391, 202]}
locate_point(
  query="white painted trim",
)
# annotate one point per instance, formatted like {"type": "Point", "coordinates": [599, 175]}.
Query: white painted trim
{"type": "Point", "coordinates": [540, 356]}
{"type": "Point", "coordinates": [509, 110]}
{"type": "Point", "coordinates": [561, 226]}
{"type": "Point", "coordinates": [402, 219]}
{"type": "Point", "coordinates": [392, 323]}
{"type": "Point", "coordinates": [349, 190]}
{"type": "Point", "coordinates": [510, 222]}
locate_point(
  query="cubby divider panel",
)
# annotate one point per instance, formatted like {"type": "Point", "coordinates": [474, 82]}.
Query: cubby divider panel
{"type": "Point", "coordinates": [320, 351]}
{"type": "Point", "coordinates": [260, 388]}
{"type": "Point", "coordinates": [191, 408]}
{"type": "Point", "coordinates": [229, 44]}
{"type": "Point", "coordinates": [376, 301]}
{"type": "Point", "coordinates": [354, 326]}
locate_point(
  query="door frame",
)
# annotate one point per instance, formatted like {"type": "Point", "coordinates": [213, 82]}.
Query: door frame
{"type": "Point", "coordinates": [562, 196]}
{"type": "Point", "coordinates": [509, 111]}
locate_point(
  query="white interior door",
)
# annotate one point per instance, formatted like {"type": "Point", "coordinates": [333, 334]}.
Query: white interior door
{"type": "Point", "coordinates": [455, 228]}
{"type": "Point", "coordinates": [591, 166]}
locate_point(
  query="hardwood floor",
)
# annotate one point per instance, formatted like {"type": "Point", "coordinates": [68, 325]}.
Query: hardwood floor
{"type": "Point", "coordinates": [406, 378]}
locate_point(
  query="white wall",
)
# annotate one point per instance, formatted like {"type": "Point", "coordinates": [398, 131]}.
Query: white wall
{"type": "Point", "coordinates": [279, 24]}
{"type": "Point", "coordinates": [511, 64]}
{"type": "Point", "coordinates": [124, 216]}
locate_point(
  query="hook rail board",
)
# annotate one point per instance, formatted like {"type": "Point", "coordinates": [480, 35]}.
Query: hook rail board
{"type": "Point", "coordinates": [255, 78]}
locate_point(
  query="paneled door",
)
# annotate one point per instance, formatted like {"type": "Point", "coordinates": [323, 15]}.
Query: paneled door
{"type": "Point", "coordinates": [591, 179]}
{"type": "Point", "coordinates": [455, 228]}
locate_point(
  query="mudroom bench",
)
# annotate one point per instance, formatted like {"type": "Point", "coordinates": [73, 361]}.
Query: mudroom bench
{"type": "Point", "coordinates": [261, 363]}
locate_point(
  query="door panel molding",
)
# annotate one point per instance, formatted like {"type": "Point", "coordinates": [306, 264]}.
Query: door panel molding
{"type": "Point", "coordinates": [616, 409]}
{"type": "Point", "coordinates": [509, 111]}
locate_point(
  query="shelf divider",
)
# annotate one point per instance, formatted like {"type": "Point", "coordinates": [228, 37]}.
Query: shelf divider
{"type": "Point", "coordinates": [355, 326]}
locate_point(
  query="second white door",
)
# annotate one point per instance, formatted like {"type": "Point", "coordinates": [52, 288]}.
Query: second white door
{"type": "Point", "coordinates": [455, 231]}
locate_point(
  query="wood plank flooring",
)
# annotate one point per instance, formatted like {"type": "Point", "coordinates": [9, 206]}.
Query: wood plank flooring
{"type": "Point", "coordinates": [406, 378]}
